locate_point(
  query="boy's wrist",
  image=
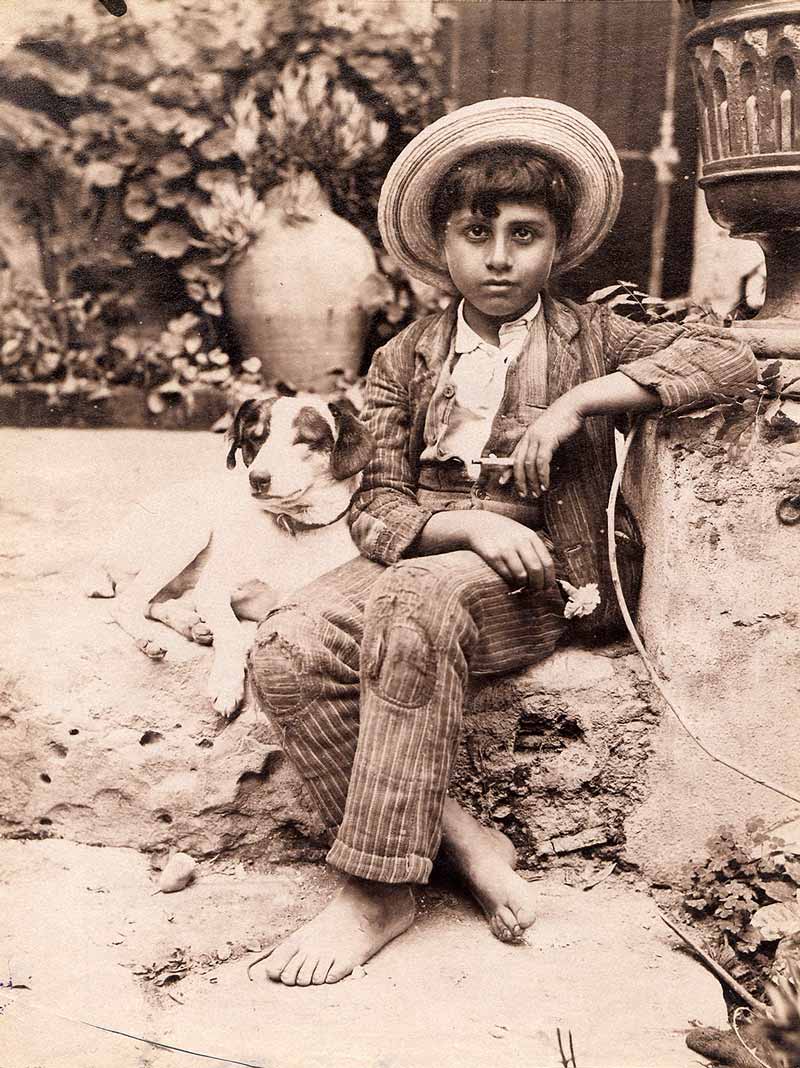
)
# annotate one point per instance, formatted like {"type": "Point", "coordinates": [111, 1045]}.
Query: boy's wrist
{"type": "Point", "coordinates": [574, 402]}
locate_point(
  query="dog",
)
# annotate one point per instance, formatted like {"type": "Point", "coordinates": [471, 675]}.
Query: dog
{"type": "Point", "coordinates": [240, 544]}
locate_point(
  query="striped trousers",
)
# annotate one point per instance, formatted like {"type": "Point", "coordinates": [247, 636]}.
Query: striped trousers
{"type": "Point", "coordinates": [364, 671]}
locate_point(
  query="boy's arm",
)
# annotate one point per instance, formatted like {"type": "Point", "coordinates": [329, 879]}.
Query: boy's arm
{"type": "Point", "coordinates": [385, 517]}
{"type": "Point", "coordinates": [610, 395]}
{"type": "Point", "coordinates": [684, 363]}
{"type": "Point", "coordinates": [660, 365]}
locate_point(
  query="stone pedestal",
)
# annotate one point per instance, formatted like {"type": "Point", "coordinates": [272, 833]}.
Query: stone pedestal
{"type": "Point", "coordinates": [720, 615]}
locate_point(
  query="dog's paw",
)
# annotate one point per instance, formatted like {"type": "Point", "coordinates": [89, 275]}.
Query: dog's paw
{"type": "Point", "coordinates": [226, 694]}
{"type": "Point", "coordinates": [151, 649]}
{"type": "Point", "coordinates": [202, 633]}
{"type": "Point", "coordinates": [226, 704]}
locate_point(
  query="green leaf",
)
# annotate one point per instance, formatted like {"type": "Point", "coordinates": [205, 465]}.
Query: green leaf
{"type": "Point", "coordinates": [777, 921]}
{"type": "Point", "coordinates": [792, 869]}
{"type": "Point", "coordinates": [169, 240]}
{"type": "Point", "coordinates": [600, 295]}
{"type": "Point", "coordinates": [218, 146]}
{"type": "Point", "coordinates": [139, 208]}
{"type": "Point", "coordinates": [156, 403]}
{"type": "Point", "coordinates": [102, 174]}
{"type": "Point", "coordinates": [174, 165]}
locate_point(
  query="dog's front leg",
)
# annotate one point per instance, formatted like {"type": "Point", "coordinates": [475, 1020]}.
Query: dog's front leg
{"type": "Point", "coordinates": [231, 645]}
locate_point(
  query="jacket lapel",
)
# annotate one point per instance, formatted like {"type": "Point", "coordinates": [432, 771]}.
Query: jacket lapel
{"type": "Point", "coordinates": [563, 356]}
{"type": "Point", "coordinates": [433, 344]}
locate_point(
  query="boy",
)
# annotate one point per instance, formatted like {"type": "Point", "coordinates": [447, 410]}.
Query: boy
{"type": "Point", "coordinates": [364, 673]}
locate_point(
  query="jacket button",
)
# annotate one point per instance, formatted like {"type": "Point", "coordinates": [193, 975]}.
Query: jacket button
{"type": "Point", "coordinates": [449, 391]}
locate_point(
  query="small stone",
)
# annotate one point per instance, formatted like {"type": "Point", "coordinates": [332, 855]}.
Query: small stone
{"type": "Point", "coordinates": [178, 873]}
{"type": "Point", "coordinates": [358, 972]}
{"type": "Point", "coordinates": [224, 953]}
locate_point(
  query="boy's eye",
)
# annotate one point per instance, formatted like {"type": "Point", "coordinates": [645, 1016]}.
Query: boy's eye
{"type": "Point", "coordinates": [476, 231]}
{"type": "Point", "coordinates": [524, 234]}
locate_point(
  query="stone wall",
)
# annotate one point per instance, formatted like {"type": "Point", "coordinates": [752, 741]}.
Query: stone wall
{"type": "Point", "coordinates": [720, 614]}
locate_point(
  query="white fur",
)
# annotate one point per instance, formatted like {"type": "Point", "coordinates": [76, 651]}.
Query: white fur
{"type": "Point", "coordinates": [216, 538]}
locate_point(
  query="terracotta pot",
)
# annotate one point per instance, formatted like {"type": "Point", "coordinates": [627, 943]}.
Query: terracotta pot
{"type": "Point", "coordinates": [299, 296]}
{"type": "Point", "coordinates": [746, 65]}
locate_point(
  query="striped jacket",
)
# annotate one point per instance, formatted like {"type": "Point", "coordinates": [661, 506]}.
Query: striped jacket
{"type": "Point", "coordinates": [684, 364]}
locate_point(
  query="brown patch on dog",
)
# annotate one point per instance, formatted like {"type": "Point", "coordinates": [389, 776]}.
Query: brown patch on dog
{"type": "Point", "coordinates": [249, 429]}
{"type": "Point", "coordinates": [313, 430]}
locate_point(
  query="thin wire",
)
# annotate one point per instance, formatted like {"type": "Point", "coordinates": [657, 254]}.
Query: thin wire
{"type": "Point", "coordinates": [141, 1038]}
{"type": "Point", "coordinates": [637, 641]}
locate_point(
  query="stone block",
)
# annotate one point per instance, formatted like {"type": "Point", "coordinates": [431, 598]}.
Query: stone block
{"type": "Point", "coordinates": [720, 615]}
{"type": "Point", "coordinates": [560, 749]}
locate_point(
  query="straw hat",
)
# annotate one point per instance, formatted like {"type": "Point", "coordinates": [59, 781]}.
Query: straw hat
{"type": "Point", "coordinates": [581, 149]}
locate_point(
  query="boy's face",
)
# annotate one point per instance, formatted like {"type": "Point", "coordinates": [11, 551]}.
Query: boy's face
{"type": "Point", "coordinates": [499, 265]}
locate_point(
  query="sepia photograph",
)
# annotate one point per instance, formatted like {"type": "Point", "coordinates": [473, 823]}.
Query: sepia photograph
{"type": "Point", "coordinates": [400, 533]}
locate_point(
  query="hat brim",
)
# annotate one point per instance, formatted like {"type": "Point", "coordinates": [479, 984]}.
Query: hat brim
{"type": "Point", "coordinates": [545, 127]}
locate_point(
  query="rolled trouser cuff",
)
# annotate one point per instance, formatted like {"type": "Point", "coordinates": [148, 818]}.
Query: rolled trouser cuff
{"type": "Point", "coordinates": [406, 869]}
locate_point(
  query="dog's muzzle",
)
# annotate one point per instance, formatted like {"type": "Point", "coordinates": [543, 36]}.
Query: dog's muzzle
{"type": "Point", "coordinates": [259, 484]}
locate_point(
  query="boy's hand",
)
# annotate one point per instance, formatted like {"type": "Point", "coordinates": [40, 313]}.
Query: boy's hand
{"type": "Point", "coordinates": [534, 450]}
{"type": "Point", "coordinates": [515, 552]}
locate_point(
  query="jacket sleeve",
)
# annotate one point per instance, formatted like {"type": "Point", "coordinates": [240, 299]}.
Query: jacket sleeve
{"type": "Point", "coordinates": [684, 364]}
{"type": "Point", "coordinates": [385, 517]}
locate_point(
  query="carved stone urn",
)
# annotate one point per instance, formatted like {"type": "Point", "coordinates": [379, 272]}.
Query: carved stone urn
{"type": "Point", "coordinates": [746, 66]}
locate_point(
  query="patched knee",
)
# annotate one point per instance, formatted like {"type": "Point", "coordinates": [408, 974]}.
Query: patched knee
{"type": "Point", "coordinates": [400, 649]}
{"type": "Point", "coordinates": [284, 661]}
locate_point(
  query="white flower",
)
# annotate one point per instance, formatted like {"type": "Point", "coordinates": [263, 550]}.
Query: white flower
{"type": "Point", "coordinates": [581, 600]}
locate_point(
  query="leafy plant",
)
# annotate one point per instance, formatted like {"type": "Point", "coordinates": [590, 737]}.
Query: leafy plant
{"type": "Point", "coordinates": [746, 897]}
{"type": "Point", "coordinates": [781, 1027]}
{"type": "Point", "coordinates": [155, 141]}
{"type": "Point", "coordinates": [627, 299]}
{"type": "Point", "coordinates": [42, 340]}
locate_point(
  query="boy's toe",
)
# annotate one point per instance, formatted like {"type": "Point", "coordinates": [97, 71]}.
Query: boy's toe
{"type": "Point", "coordinates": [292, 969]}
{"type": "Point", "coordinates": [278, 959]}
{"type": "Point", "coordinates": [321, 971]}
{"type": "Point", "coordinates": [525, 918]}
{"type": "Point", "coordinates": [306, 973]}
{"type": "Point", "coordinates": [338, 971]}
{"type": "Point", "coordinates": [506, 921]}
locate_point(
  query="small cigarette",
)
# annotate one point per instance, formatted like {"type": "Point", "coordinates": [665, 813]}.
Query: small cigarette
{"type": "Point", "coordinates": [495, 461]}
{"type": "Point", "coordinates": [519, 589]}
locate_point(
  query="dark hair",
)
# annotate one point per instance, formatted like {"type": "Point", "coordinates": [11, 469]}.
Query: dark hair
{"type": "Point", "coordinates": [479, 181]}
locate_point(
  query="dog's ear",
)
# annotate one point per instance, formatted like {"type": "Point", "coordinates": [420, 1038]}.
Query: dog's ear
{"type": "Point", "coordinates": [246, 417]}
{"type": "Point", "coordinates": [354, 444]}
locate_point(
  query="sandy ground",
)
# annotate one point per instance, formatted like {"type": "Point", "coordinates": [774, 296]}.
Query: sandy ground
{"type": "Point", "coordinates": [83, 930]}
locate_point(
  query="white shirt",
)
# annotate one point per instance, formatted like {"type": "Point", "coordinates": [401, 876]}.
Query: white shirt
{"type": "Point", "coordinates": [479, 378]}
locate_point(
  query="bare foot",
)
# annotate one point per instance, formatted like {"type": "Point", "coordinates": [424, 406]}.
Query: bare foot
{"type": "Point", "coordinates": [485, 859]}
{"type": "Point", "coordinates": [360, 920]}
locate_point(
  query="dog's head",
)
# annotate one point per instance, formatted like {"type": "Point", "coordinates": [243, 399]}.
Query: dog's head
{"type": "Point", "coordinates": [290, 444]}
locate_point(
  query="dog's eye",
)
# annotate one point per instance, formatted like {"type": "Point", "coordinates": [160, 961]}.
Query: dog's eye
{"type": "Point", "coordinates": [313, 430]}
